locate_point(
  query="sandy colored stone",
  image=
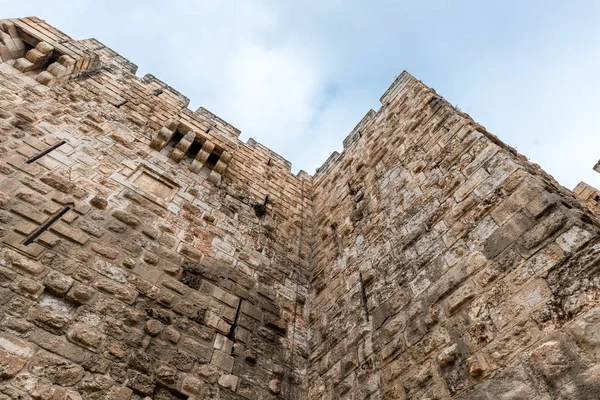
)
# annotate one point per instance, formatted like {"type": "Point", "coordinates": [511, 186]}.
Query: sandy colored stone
{"type": "Point", "coordinates": [427, 259]}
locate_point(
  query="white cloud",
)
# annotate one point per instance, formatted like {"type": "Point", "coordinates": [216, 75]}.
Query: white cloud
{"type": "Point", "coordinates": [297, 76]}
{"type": "Point", "coordinates": [271, 92]}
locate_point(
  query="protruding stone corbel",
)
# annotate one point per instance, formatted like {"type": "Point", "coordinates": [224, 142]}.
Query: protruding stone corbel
{"type": "Point", "coordinates": [35, 58]}
{"type": "Point", "coordinates": [164, 135]}
{"type": "Point", "coordinates": [222, 163]}
{"type": "Point", "coordinates": [226, 157]}
{"type": "Point", "coordinates": [63, 67]}
{"type": "Point", "coordinates": [220, 167]}
{"type": "Point", "coordinates": [217, 173]}
{"type": "Point", "coordinates": [597, 167]}
{"type": "Point", "coordinates": [208, 146]}
{"type": "Point", "coordinates": [202, 156]}
{"type": "Point", "coordinates": [183, 146]}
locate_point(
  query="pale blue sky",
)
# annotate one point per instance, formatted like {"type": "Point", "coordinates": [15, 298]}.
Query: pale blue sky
{"type": "Point", "coordinates": [297, 76]}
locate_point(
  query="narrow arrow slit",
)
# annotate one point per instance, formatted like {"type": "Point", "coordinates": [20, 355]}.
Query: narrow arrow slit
{"type": "Point", "coordinates": [363, 296]}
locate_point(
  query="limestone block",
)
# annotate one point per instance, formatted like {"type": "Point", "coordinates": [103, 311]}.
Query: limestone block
{"type": "Point", "coordinates": [196, 166]}
{"type": "Point", "coordinates": [477, 366]}
{"type": "Point", "coordinates": [45, 78]}
{"type": "Point", "coordinates": [44, 47]}
{"type": "Point", "coordinates": [57, 369]}
{"type": "Point", "coordinates": [121, 292]}
{"type": "Point", "coordinates": [220, 167]}
{"type": "Point", "coordinates": [214, 177]}
{"type": "Point", "coordinates": [586, 331]}
{"type": "Point", "coordinates": [225, 157]}
{"type": "Point", "coordinates": [14, 354]}
{"type": "Point", "coordinates": [68, 62]}
{"type": "Point", "coordinates": [36, 57]}
{"type": "Point", "coordinates": [532, 295]}
{"type": "Point", "coordinates": [551, 359]}
{"type": "Point", "coordinates": [183, 146]}
{"type": "Point", "coordinates": [5, 54]}
{"type": "Point", "coordinates": [36, 387]}
{"type": "Point", "coordinates": [229, 381]}
{"type": "Point", "coordinates": [57, 69]}
{"type": "Point", "coordinates": [222, 361]}
{"type": "Point", "coordinates": [573, 239]}
{"type": "Point", "coordinates": [58, 283]}
{"type": "Point", "coordinates": [208, 373]}
{"type": "Point", "coordinates": [275, 386]}
{"type": "Point", "coordinates": [217, 323]}
{"type": "Point", "coordinates": [10, 45]}
{"type": "Point", "coordinates": [161, 139]}
{"type": "Point", "coordinates": [172, 125]}
{"type": "Point", "coordinates": [208, 146]}
{"type": "Point", "coordinates": [191, 385]}
{"type": "Point", "coordinates": [153, 327]}
{"type": "Point", "coordinates": [202, 156]}
{"type": "Point", "coordinates": [85, 336]}
{"type": "Point", "coordinates": [127, 218]}
{"type": "Point", "coordinates": [24, 65]}
{"type": "Point", "coordinates": [66, 231]}
{"type": "Point", "coordinates": [81, 294]}
{"type": "Point", "coordinates": [223, 344]}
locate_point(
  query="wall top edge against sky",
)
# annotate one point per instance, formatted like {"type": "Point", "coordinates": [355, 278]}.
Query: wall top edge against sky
{"type": "Point", "coordinates": [299, 76]}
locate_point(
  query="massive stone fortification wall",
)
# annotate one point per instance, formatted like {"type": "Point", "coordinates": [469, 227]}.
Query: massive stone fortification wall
{"type": "Point", "coordinates": [455, 268]}
{"type": "Point", "coordinates": [133, 262]}
{"type": "Point", "coordinates": [147, 252]}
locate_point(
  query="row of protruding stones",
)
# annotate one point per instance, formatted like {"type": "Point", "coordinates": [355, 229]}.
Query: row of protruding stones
{"type": "Point", "coordinates": [12, 47]}
{"type": "Point", "coordinates": [181, 149]}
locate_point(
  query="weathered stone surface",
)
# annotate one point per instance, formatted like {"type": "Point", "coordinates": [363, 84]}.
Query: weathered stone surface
{"type": "Point", "coordinates": [229, 381]}
{"type": "Point", "coordinates": [85, 336]}
{"type": "Point", "coordinates": [14, 354]}
{"type": "Point", "coordinates": [427, 260]}
{"type": "Point", "coordinates": [57, 369]}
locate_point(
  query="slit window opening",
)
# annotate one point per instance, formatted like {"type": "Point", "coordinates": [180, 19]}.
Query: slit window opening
{"type": "Point", "coordinates": [363, 296]}
{"type": "Point", "coordinates": [213, 158]}
{"type": "Point", "coordinates": [194, 149]}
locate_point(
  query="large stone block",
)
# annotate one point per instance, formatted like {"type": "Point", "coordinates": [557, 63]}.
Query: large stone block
{"type": "Point", "coordinates": [56, 369]}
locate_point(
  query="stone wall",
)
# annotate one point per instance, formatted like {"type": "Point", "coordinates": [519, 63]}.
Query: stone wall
{"type": "Point", "coordinates": [147, 252]}
{"type": "Point", "coordinates": [448, 266]}
{"type": "Point", "coordinates": [128, 272]}
{"type": "Point", "coordinates": [588, 195]}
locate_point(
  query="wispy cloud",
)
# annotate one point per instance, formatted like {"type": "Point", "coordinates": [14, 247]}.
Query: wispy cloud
{"type": "Point", "coordinates": [297, 76]}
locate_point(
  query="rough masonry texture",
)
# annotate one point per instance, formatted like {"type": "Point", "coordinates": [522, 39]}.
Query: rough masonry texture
{"type": "Point", "coordinates": [146, 252]}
